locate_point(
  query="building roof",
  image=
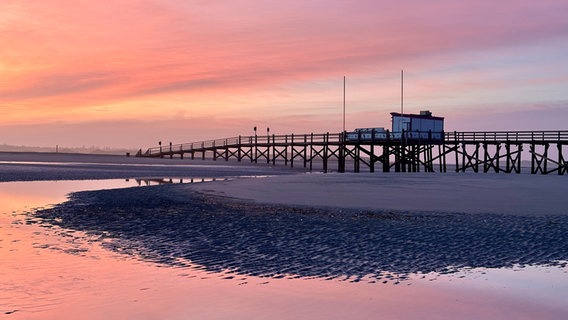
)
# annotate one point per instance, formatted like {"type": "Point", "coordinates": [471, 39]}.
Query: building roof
{"type": "Point", "coordinates": [416, 116]}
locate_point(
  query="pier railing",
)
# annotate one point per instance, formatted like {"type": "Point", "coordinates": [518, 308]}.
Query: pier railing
{"type": "Point", "coordinates": [336, 138]}
{"type": "Point", "coordinates": [507, 136]}
{"type": "Point", "coordinates": [244, 141]}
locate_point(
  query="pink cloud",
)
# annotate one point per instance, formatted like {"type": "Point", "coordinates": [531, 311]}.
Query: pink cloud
{"type": "Point", "coordinates": [195, 46]}
{"type": "Point", "coordinates": [65, 56]}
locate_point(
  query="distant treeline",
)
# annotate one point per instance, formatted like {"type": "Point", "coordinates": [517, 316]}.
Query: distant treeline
{"type": "Point", "coordinates": [89, 150]}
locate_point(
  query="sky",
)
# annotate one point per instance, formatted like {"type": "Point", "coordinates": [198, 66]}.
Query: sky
{"type": "Point", "coordinates": [130, 73]}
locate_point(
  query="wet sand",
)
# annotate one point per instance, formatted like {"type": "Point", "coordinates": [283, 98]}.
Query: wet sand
{"type": "Point", "coordinates": [521, 194]}
{"type": "Point", "coordinates": [169, 225]}
{"type": "Point", "coordinates": [30, 166]}
{"type": "Point", "coordinates": [305, 245]}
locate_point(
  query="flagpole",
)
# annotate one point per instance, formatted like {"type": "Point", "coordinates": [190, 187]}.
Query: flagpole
{"type": "Point", "coordinates": [343, 103]}
{"type": "Point", "coordinates": [401, 92]}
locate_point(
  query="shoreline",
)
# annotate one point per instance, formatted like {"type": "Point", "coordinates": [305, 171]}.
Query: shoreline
{"type": "Point", "coordinates": [53, 167]}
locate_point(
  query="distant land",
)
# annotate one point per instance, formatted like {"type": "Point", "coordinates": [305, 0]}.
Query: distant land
{"type": "Point", "coordinates": [87, 150]}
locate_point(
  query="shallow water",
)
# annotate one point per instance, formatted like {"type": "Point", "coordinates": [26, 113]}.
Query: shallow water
{"type": "Point", "coordinates": [49, 272]}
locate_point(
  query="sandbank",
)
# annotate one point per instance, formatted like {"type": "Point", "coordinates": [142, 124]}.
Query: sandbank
{"type": "Point", "coordinates": [521, 194]}
{"type": "Point", "coordinates": [36, 166]}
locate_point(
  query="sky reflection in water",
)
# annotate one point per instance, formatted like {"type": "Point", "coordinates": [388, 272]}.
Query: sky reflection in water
{"type": "Point", "coordinates": [51, 271]}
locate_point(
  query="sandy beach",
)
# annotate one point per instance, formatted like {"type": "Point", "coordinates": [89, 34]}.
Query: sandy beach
{"type": "Point", "coordinates": [31, 166]}
{"type": "Point", "coordinates": [520, 194]}
{"type": "Point", "coordinates": [309, 245]}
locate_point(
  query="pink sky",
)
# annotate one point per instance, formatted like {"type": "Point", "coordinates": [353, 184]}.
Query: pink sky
{"type": "Point", "coordinates": [131, 73]}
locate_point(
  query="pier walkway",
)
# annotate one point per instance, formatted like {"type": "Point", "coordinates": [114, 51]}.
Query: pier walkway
{"type": "Point", "coordinates": [495, 151]}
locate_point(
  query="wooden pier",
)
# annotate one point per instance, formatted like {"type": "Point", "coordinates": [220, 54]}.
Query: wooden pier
{"type": "Point", "coordinates": [496, 151]}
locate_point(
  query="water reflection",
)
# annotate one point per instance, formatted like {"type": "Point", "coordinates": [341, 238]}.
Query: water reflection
{"type": "Point", "coordinates": [157, 181]}
{"type": "Point", "coordinates": [57, 273]}
{"type": "Point", "coordinates": [169, 225]}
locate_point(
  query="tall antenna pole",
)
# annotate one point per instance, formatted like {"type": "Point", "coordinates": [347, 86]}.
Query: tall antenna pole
{"type": "Point", "coordinates": [343, 103]}
{"type": "Point", "coordinates": [401, 91]}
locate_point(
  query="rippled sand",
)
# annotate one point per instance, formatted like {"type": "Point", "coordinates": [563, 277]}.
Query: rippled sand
{"type": "Point", "coordinates": [169, 225]}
